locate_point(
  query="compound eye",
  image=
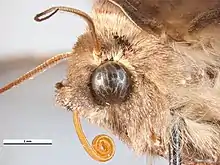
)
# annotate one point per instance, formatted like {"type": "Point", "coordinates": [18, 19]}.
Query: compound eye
{"type": "Point", "coordinates": [111, 83]}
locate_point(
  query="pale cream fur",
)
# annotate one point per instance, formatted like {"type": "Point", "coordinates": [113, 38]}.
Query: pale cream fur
{"type": "Point", "coordinates": [166, 76]}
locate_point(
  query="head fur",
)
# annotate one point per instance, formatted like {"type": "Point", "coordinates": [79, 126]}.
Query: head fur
{"type": "Point", "coordinates": [164, 76]}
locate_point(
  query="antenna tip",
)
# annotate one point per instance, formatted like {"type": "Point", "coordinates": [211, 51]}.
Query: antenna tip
{"type": "Point", "coordinates": [36, 18]}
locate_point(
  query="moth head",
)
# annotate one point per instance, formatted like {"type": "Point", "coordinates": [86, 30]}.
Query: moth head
{"type": "Point", "coordinates": [95, 82]}
{"type": "Point", "coordinates": [93, 79]}
{"type": "Point", "coordinates": [110, 91]}
{"type": "Point", "coordinates": [105, 90]}
{"type": "Point", "coordinates": [109, 81]}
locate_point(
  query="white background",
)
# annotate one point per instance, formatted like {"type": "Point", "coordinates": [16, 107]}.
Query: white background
{"type": "Point", "coordinates": [28, 111]}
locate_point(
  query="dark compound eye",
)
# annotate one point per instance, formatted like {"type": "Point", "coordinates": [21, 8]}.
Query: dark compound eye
{"type": "Point", "coordinates": [111, 83]}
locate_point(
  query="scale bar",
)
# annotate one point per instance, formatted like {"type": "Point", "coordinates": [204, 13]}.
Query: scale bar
{"type": "Point", "coordinates": [27, 142]}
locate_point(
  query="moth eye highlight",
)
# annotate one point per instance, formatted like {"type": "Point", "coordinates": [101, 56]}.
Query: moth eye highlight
{"type": "Point", "coordinates": [110, 83]}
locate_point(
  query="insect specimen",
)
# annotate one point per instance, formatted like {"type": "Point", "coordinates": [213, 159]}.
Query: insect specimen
{"type": "Point", "coordinates": [147, 71]}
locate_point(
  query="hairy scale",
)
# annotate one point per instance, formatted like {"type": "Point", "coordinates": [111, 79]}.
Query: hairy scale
{"type": "Point", "coordinates": [172, 82]}
{"type": "Point", "coordinates": [142, 68]}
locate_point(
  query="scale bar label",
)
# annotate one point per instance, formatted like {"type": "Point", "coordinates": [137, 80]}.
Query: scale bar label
{"type": "Point", "coordinates": [27, 142]}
